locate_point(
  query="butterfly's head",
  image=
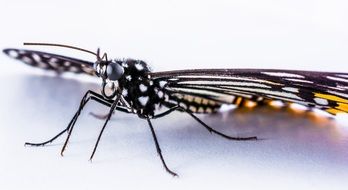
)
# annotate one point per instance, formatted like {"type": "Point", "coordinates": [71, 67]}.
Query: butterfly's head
{"type": "Point", "coordinates": [108, 70]}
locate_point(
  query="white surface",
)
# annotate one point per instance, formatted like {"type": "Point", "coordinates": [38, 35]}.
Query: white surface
{"type": "Point", "coordinates": [296, 152]}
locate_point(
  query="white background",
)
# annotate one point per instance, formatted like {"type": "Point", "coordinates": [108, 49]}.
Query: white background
{"type": "Point", "coordinates": [297, 150]}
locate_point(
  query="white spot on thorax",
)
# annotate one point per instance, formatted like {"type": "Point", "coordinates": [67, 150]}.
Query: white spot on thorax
{"type": "Point", "coordinates": [142, 88]}
{"type": "Point", "coordinates": [139, 67]}
{"type": "Point", "coordinates": [128, 77]}
{"type": "Point", "coordinates": [162, 83]}
{"type": "Point", "coordinates": [143, 100]}
{"type": "Point", "coordinates": [125, 92]}
{"type": "Point", "coordinates": [125, 65]}
{"type": "Point", "coordinates": [166, 97]}
{"type": "Point", "coordinates": [160, 94]}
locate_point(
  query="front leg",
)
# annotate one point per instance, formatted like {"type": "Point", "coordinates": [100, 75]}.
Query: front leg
{"type": "Point", "coordinates": [112, 108]}
{"type": "Point", "coordinates": [88, 96]}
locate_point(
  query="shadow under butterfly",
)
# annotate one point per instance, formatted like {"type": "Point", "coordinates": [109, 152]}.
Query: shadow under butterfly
{"type": "Point", "coordinates": [129, 86]}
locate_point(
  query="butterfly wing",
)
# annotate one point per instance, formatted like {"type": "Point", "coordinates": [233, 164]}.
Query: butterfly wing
{"type": "Point", "coordinates": [48, 61]}
{"type": "Point", "coordinates": [323, 90]}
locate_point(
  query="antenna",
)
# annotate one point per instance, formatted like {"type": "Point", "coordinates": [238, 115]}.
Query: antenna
{"type": "Point", "coordinates": [60, 45]}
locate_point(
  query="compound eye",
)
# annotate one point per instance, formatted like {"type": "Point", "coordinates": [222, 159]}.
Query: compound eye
{"type": "Point", "coordinates": [114, 71]}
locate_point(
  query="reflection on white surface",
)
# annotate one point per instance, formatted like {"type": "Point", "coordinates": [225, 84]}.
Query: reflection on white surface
{"type": "Point", "coordinates": [295, 149]}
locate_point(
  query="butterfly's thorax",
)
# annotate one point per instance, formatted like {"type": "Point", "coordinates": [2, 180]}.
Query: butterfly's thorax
{"type": "Point", "coordinates": [142, 93]}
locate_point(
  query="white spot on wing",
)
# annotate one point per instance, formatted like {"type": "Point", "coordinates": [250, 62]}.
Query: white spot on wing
{"type": "Point", "coordinates": [73, 69]}
{"type": "Point", "coordinates": [226, 78]}
{"type": "Point", "coordinates": [53, 62]}
{"type": "Point", "coordinates": [46, 56]}
{"type": "Point", "coordinates": [283, 74]}
{"type": "Point", "coordinates": [291, 89]}
{"type": "Point", "coordinates": [27, 60]}
{"type": "Point", "coordinates": [172, 101]}
{"type": "Point", "coordinates": [344, 76]}
{"type": "Point", "coordinates": [217, 96]}
{"type": "Point", "coordinates": [42, 64]}
{"type": "Point", "coordinates": [299, 80]}
{"type": "Point", "coordinates": [193, 108]}
{"type": "Point", "coordinates": [36, 57]}
{"type": "Point", "coordinates": [338, 93]}
{"type": "Point", "coordinates": [321, 101]}
{"type": "Point", "coordinates": [227, 83]}
{"type": "Point", "coordinates": [67, 63]}
{"type": "Point", "coordinates": [337, 79]}
{"type": "Point", "coordinates": [13, 53]}
{"type": "Point", "coordinates": [183, 105]}
{"type": "Point", "coordinates": [269, 92]}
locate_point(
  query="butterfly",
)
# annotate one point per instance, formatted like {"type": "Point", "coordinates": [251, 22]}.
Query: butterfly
{"type": "Point", "coordinates": [129, 86]}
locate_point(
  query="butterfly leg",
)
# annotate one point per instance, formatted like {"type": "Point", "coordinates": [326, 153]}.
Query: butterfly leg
{"type": "Point", "coordinates": [211, 130]}
{"type": "Point", "coordinates": [112, 109]}
{"type": "Point", "coordinates": [158, 148]}
{"type": "Point", "coordinates": [89, 95]}
{"type": "Point", "coordinates": [203, 124]}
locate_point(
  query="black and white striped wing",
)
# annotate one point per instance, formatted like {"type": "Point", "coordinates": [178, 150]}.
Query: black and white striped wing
{"type": "Point", "coordinates": [209, 89]}
{"type": "Point", "coordinates": [50, 61]}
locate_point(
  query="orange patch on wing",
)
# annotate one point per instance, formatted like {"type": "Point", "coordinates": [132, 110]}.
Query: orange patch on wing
{"type": "Point", "coordinates": [331, 97]}
{"type": "Point", "coordinates": [342, 106]}
{"type": "Point", "coordinates": [334, 111]}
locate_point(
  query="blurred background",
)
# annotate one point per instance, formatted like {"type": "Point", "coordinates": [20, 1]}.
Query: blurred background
{"type": "Point", "coordinates": [297, 150]}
